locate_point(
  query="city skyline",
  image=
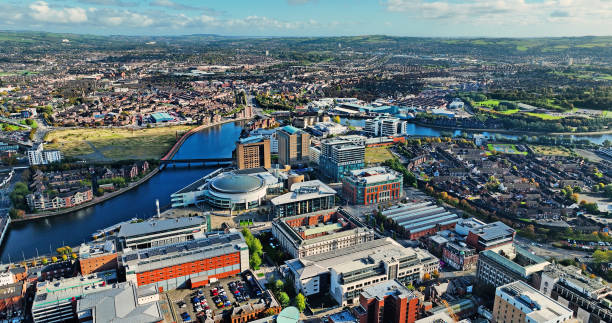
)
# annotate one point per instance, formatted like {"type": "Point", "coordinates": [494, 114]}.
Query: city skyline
{"type": "Point", "coordinates": [419, 18]}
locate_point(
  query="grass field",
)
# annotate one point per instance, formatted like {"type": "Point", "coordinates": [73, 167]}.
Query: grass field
{"type": "Point", "coordinates": [552, 150]}
{"type": "Point", "coordinates": [543, 116]}
{"type": "Point", "coordinates": [114, 143]}
{"type": "Point", "coordinates": [505, 149]}
{"type": "Point", "coordinates": [376, 155]}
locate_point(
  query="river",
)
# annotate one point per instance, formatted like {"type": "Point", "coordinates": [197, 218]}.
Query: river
{"type": "Point", "coordinates": [77, 227]}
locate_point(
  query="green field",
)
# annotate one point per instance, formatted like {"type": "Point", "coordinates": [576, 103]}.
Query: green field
{"type": "Point", "coordinates": [505, 149]}
{"type": "Point", "coordinates": [543, 116]}
{"type": "Point", "coordinates": [552, 150]}
{"type": "Point", "coordinates": [377, 155]}
{"type": "Point", "coordinates": [114, 143]}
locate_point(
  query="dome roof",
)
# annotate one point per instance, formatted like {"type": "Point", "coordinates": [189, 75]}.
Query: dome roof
{"type": "Point", "coordinates": [237, 183]}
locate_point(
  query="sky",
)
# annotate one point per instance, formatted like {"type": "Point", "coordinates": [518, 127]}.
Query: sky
{"type": "Point", "coordinates": [422, 18]}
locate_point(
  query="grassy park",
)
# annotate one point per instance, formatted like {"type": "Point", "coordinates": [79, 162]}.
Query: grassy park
{"type": "Point", "coordinates": [505, 149]}
{"type": "Point", "coordinates": [105, 144]}
{"type": "Point", "coordinates": [377, 155]}
{"type": "Point", "coordinates": [552, 150]}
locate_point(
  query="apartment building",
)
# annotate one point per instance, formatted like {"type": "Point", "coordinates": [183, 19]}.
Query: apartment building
{"type": "Point", "coordinates": [304, 197]}
{"type": "Point", "coordinates": [372, 185]}
{"type": "Point", "coordinates": [519, 302]}
{"type": "Point", "coordinates": [293, 146]}
{"type": "Point", "coordinates": [340, 155]}
{"type": "Point", "coordinates": [346, 272]}
{"type": "Point", "coordinates": [389, 301]}
{"type": "Point", "coordinates": [253, 152]}
{"type": "Point", "coordinates": [217, 255]}
{"type": "Point", "coordinates": [38, 156]}
{"type": "Point", "coordinates": [385, 126]}
{"type": "Point", "coordinates": [319, 232]}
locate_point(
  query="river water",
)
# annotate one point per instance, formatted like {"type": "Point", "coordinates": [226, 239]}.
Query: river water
{"type": "Point", "coordinates": [25, 238]}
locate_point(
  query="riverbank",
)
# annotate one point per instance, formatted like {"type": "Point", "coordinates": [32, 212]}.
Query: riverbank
{"type": "Point", "coordinates": [105, 197]}
{"type": "Point", "coordinates": [517, 132]}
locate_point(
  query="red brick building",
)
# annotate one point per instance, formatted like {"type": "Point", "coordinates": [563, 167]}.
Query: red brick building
{"type": "Point", "coordinates": [388, 302]}
{"type": "Point", "coordinates": [372, 185]}
{"type": "Point", "coordinates": [11, 296]}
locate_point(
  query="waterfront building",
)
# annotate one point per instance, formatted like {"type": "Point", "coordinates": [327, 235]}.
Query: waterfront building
{"type": "Point", "coordinates": [318, 232]}
{"type": "Point", "coordinates": [159, 232]}
{"type": "Point", "coordinates": [215, 256]}
{"type": "Point", "coordinates": [304, 197]}
{"type": "Point", "coordinates": [372, 185]}
{"type": "Point", "coordinates": [492, 236]}
{"type": "Point", "coordinates": [589, 298]}
{"type": "Point", "coordinates": [42, 201]}
{"type": "Point", "coordinates": [516, 264]}
{"type": "Point", "coordinates": [269, 134]}
{"type": "Point", "coordinates": [38, 156]}
{"type": "Point", "coordinates": [253, 152]}
{"type": "Point", "coordinates": [97, 257]}
{"type": "Point", "coordinates": [389, 301]}
{"type": "Point", "coordinates": [385, 126]}
{"type": "Point", "coordinates": [459, 256]}
{"type": "Point", "coordinates": [54, 301]}
{"type": "Point", "coordinates": [121, 303]}
{"type": "Point", "coordinates": [421, 219]}
{"type": "Point", "coordinates": [293, 146]}
{"type": "Point", "coordinates": [519, 302]}
{"type": "Point", "coordinates": [12, 297]}
{"type": "Point", "coordinates": [346, 272]}
{"type": "Point", "coordinates": [340, 155]}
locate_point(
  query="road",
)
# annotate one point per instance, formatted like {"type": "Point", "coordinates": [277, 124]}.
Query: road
{"type": "Point", "coordinates": [547, 250]}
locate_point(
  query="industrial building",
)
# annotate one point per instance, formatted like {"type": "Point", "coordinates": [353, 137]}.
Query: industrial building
{"type": "Point", "coordinates": [304, 197]}
{"type": "Point", "coordinates": [519, 302]}
{"type": "Point", "coordinates": [253, 152]}
{"type": "Point", "coordinates": [421, 219]}
{"type": "Point", "coordinates": [589, 298]}
{"type": "Point", "coordinates": [372, 185]}
{"type": "Point", "coordinates": [389, 301]}
{"type": "Point", "coordinates": [159, 232]}
{"type": "Point", "coordinates": [293, 146]}
{"type": "Point", "coordinates": [318, 232]}
{"type": "Point", "coordinates": [346, 272]}
{"type": "Point", "coordinates": [340, 155]}
{"type": "Point", "coordinates": [517, 264]}
{"type": "Point", "coordinates": [384, 126]}
{"type": "Point", "coordinates": [217, 255]}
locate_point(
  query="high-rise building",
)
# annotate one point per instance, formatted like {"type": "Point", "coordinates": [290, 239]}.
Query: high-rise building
{"type": "Point", "coordinates": [519, 302]}
{"type": "Point", "coordinates": [253, 152]}
{"type": "Point", "coordinates": [372, 185]}
{"type": "Point", "coordinates": [507, 266]}
{"type": "Point", "coordinates": [385, 126]}
{"type": "Point", "coordinates": [293, 146]}
{"type": "Point", "coordinates": [341, 155]}
{"type": "Point", "coordinates": [388, 302]}
{"type": "Point", "coordinates": [38, 156]}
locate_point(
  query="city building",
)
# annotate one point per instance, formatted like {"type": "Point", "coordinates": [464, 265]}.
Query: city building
{"type": "Point", "coordinates": [515, 264]}
{"type": "Point", "coordinates": [492, 236]}
{"type": "Point", "coordinates": [340, 155]}
{"type": "Point", "coordinates": [389, 301]}
{"type": "Point", "coordinates": [38, 156]}
{"type": "Point", "coordinates": [43, 201]}
{"type": "Point", "coordinates": [269, 134]}
{"type": "Point", "coordinates": [215, 256]}
{"type": "Point", "coordinates": [314, 155]}
{"type": "Point", "coordinates": [293, 146]}
{"type": "Point", "coordinates": [159, 232]}
{"type": "Point", "coordinates": [12, 297]}
{"type": "Point", "coordinates": [318, 232]}
{"type": "Point", "coordinates": [384, 126]}
{"type": "Point", "coordinates": [421, 219]}
{"type": "Point", "coordinates": [304, 197]}
{"type": "Point", "coordinates": [372, 185]}
{"type": "Point", "coordinates": [54, 301]}
{"type": "Point", "coordinates": [519, 302]}
{"type": "Point", "coordinates": [97, 257]}
{"type": "Point", "coordinates": [589, 298]}
{"type": "Point", "coordinates": [464, 226]}
{"type": "Point", "coordinates": [253, 152]}
{"type": "Point", "coordinates": [324, 129]}
{"type": "Point", "coordinates": [459, 256]}
{"type": "Point", "coordinates": [346, 272]}
{"type": "Point", "coordinates": [121, 303]}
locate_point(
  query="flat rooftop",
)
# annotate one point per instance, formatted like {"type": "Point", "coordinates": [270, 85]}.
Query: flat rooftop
{"type": "Point", "coordinates": [304, 191]}
{"type": "Point", "coordinates": [493, 231]}
{"type": "Point", "coordinates": [536, 306]}
{"type": "Point", "coordinates": [387, 288]}
{"type": "Point", "coordinates": [158, 225]}
{"type": "Point", "coordinates": [63, 290]}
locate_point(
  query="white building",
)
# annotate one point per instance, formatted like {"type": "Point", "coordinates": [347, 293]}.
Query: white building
{"type": "Point", "coordinates": [456, 104]}
{"type": "Point", "coordinates": [267, 134]}
{"type": "Point", "coordinates": [385, 126]}
{"type": "Point", "coordinates": [38, 156]}
{"type": "Point", "coordinates": [313, 155]}
{"type": "Point", "coordinates": [519, 302]}
{"type": "Point", "coordinates": [329, 128]}
{"type": "Point", "coordinates": [6, 278]}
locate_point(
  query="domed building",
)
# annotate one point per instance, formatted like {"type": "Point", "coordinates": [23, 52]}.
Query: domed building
{"type": "Point", "coordinates": [236, 191]}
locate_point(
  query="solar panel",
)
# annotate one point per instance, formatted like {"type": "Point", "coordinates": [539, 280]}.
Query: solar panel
{"type": "Point", "coordinates": [130, 257]}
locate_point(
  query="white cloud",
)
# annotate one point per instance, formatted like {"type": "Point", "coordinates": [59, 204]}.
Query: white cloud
{"type": "Point", "coordinates": [41, 12]}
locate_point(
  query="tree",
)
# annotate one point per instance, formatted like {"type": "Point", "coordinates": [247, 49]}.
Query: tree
{"type": "Point", "coordinates": [427, 276]}
{"type": "Point", "coordinates": [300, 302]}
{"type": "Point", "coordinates": [283, 298]}
{"type": "Point", "coordinates": [255, 261]}
{"type": "Point", "coordinates": [54, 259]}
{"type": "Point", "coordinates": [64, 257]}
{"type": "Point", "coordinates": [279, 285]}
{"type": "Point", "coordinates": [336, 119]}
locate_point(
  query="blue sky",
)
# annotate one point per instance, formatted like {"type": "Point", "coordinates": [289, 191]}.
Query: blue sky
{"type": "Point", "coordinates": [438, 18]}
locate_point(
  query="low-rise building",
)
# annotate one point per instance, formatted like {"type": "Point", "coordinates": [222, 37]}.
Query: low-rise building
{"type": "Point", "coordinates": [459, 256]}
{"type": "Point", "coordinates": [12, 297]}
{"type": "Point", "coordinates": [97, 257]}
{"type": "Point", "coordinates": [304, 197]}
{"type": "Point", "coordinates": [215, 256]}
{"type": "Point", "coordinates": [159, 232]}
{"type": "Point", "coordinates": [420, 219]}
{"type": "Point", "coordinates": [318, 232]}
{"type": "Point", "coordinates": [519, 302]}
{"type": "Point", "coordinates": [493, 236]}
{"type": "Point", "coordinates": [43, 201]}
{"type": "Point", "coordinates": [515, 264]}
{"type": "Point", "coordinates": [372, 185]}
{"type": "Point", "coordinates": [346, 272]}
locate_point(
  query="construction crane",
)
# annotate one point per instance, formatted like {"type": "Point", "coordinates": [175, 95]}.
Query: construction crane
{"type": "Point", "coordinates": [450, 311]}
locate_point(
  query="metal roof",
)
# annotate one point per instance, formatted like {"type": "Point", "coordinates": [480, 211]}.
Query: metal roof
{"type": "Point", "coordinates": [157, 225]}
{"type": "Point", "coordinates": [237, 183]}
